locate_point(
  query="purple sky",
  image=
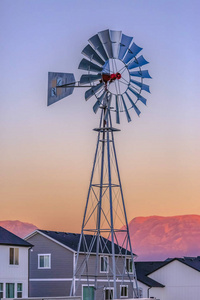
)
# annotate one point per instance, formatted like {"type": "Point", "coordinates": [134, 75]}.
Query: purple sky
{"type": "Point", "coordinates": [47, 152]}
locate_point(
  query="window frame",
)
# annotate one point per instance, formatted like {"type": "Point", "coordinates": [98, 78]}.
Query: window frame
{"type": "Point", "coordinates": [7, 285]}
{"type": "Point", "coordinates": [44, 254]}
{"type": "Point", "coordinates": [21, 291]}
{"type": "Point", "coordinates": [130, 261]}
{"type": "Point", "coordinates": [15, 257]}
{"type": "Point", "coordinates": [86, 285]}
{"type": "Point", "coordinates": [121, 286]}
{"type": "Point", "coordinates": [108, 288]}
{"type": "Point", "coordinates": [103, 257]}
{"type": "Point", "coordinates": [1, 290]}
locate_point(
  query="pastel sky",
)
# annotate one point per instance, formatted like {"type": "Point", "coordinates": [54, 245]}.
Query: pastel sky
{"type": "Point", "coordinates": [46, 153]}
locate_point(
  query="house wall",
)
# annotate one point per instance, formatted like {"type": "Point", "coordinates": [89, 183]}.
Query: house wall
{"type": "Point", "coordinates": [54, 281]}
{"type": "Point", "coordinates": [14, 273]}
{"type": "Point", "coordinates": [104, 278]}
{"type": "Point", "coordinates": [181, 282]}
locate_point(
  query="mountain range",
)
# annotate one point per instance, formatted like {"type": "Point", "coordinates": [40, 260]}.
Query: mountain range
{"type": "Point", "coordinates": [152, 238]}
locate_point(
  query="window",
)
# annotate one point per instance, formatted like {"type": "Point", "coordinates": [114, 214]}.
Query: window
{"type": "Point", "coordinates": [19, 290]}
{"type": "Point", "coordinates": [14, 256]}
{"type": "Point", "coordinates": [1, 290]}
{"type": "Point", "coordinates": [88, 292]}
{"type": "Point", "coordinates": [123, 291]}
{"type": "Point", "coordinates": [104, 264]}
{"type": "Point", "coordinates": [129, 265]}
{"type": "Point", "coordinates": [140, 292]}
{"type": "Point", "coordinates": [108, 293]}
{"type": "Point", "coordinates": [44, 261]}
{"type": "Point", "coordinates": [10, 290]}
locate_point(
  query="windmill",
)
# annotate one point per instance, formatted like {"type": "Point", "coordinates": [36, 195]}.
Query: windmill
{"type": "Point", "coordinates": [114, 78]}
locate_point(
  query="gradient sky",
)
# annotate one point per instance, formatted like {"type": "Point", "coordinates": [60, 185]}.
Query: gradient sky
{"type": "Point", "coordinates": [46, 153]}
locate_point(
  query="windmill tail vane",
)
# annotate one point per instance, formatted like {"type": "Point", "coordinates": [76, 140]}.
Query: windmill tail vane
{"type": "Point", "coordinates": [114, 80]}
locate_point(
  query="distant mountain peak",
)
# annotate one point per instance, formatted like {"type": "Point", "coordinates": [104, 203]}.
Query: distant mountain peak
{"type": "Point", "coordinates": [157, 237]}
{"type": "Point", "coordinates": [17, 227]}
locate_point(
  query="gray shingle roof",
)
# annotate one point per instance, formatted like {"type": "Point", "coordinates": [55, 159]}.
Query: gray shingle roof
{"type": "Point", "coordinates": [144, 268]}
{"type": "Point", "coordinates": [71, 240]}
{"type": "Point", "coordinates": [8, 238]}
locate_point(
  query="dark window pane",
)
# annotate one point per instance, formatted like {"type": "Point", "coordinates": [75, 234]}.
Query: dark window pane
{"type": "Point", "coordinates": [11, 256]}
{"type": "Point", "coordinates": [10, 290]}
{"type": "Point", "coordinates": [41, 261]}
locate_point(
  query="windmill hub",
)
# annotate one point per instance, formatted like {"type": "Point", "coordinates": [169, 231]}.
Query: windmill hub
{"type": "Point", "coordinates": [115, 76]}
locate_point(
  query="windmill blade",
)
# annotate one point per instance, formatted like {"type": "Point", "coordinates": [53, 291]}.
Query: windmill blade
{"type": "Point", "coordinates": [109, 99]}
{"type": "Point", "coordinates": [106, 68]}
{"type": "Point", "coordinates": [117, 110]}
{"type": "Point", "coordinates": [132, 52]}
{"type": "Point", "coordinates": [97, 45]}
{"type": "Point", "coordinates": [133, 105]}
{"type": "Point", "coordinates": [89, 78]}
{"type": "Point", "coordinates": [105, 39]}
{"type": "Point", "coordinates": [142, 74]}
{"type": "Point", "coordinates": [54, 81]}
{"type": "Point", "coordinates": [125, 42]}
{"type": "Point", "coordinates": [115, 37]}
{"type": "Point", "coordinates": [92, 55]}
{"type": "Point", "coordinates": [138, 62]}
{"type": "Point", "coordinates": [99, 102]}
{"type": "Point", "coordinates": [139, 97]}
{"type": "Point", "coordinates": [89, 93]}
{"type": "Point", "coordinates": [143, 86]}
{"type": "Point", "coordinates": [89, 66]}
{"type": "Point", "coordinates": [126, 110]}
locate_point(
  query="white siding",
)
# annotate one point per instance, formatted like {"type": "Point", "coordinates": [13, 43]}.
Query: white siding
{"type": "Point", "coordinates": [181, 282]}
{"type": "Point", "coordinates": [14, 273]}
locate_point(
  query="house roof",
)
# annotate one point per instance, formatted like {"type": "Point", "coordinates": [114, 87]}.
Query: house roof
{"type": "Point", "coordinates": [71, 240]}
{"type": "Point", "coordinates": [193, 262]}
{"type": "Point", "coordinates": [8, 238]}
{"type": "Point", "coordinates": [144, 268]}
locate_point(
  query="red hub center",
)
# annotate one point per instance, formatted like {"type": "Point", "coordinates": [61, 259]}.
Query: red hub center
{"type": "Point", "coordinates": [111, 77]}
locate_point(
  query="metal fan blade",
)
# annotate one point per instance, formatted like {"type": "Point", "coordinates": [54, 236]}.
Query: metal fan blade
{"type": "Point", "coordinates": [99, 102]}
{"type": "Point", "coordinates": [138, 62]}
{"type": "Point", "coordinates": [109, 99]}
{"type": "Point", "coordinates": [115, 37]}
{"type": "Point", "coordinates": [89, 66]}
{"type": "Point", "coordinates": [125, 42]}
{"type": "Point", "coordinates": [133, 105]}
{"type": "Point", "coordinates": [92, 55]}
{"type": "Point", "coordinates": [89, 93]}
{"type": "Point", "coordinates": [117, 110]}
{"type": "Point", "coordinates": [106, 68]}
{"type": "Point", "coordinates": [142, 74]}
{"type": "Point", "coordinates": [132, 52]}
{"type": "Point", "coordinates": [89, 78]}
{"type": "Point", "coordinates": [126, 110]}
{"type": "Point", "coordinates": [54, 81]}
{"type": "Point", "coordinates": [105, 39]}
{"type": "Point", "coordinates": [97, 45]}
{"type": "Point", "coordinates": [143, 86]}
{"type": "Point", "coordinates": [139, 97]}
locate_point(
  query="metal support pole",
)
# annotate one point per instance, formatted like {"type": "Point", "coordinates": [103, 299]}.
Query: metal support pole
{"type": "Point", "coordinates": [111, 217]}
{"type": "Point", "coordinates": [136, 290]}
{"type": "Point", "coordinates": [98, 224]}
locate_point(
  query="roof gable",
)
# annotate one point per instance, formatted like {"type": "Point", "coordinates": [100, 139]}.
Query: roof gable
{"type": "Point", "coordinates": [10, 239]}
{"type": "Point", "coordinates": [71, 241]}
